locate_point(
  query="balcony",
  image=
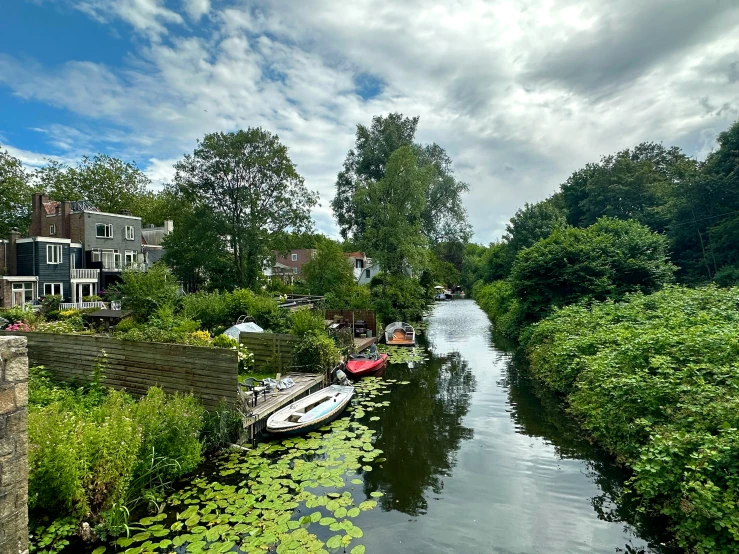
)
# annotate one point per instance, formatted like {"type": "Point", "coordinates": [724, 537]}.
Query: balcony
{"type": "Point", "coordinates": [85, 274]}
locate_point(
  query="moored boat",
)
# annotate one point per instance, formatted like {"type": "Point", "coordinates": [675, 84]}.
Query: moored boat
{"type": "Point", "coordinates": [311, 412]}
{"type": "Point", "coordinates": [365, 365]}
{"type": "Point", "coordinates": [400, 334]}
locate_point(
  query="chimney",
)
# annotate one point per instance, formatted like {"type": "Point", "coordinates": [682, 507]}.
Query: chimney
{"type": "Point", "coordinates": [168, 226]}
{"type": "Point", "coordinates": [38, 214]}
{"type": "Point", "coordinates": [12, 261]}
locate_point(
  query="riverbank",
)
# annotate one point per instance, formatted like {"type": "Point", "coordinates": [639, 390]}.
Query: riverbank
{"type": "Point", "coordinates": [654, 380]}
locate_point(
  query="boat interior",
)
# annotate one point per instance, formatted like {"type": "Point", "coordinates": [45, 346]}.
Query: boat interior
{"type": "Point", "coordinates": [402, 336]}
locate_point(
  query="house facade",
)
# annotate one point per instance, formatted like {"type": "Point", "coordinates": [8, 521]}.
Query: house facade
{"type": "Point", "coordinates": [290, 267]}
{"type": "Point", "coordinates": [109, 242]}
{"type": "Point", "coordinates": [364, 268]}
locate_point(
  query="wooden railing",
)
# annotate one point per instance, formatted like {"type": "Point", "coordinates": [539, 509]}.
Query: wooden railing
{"type": "Point", "coordinates": [86, 274]}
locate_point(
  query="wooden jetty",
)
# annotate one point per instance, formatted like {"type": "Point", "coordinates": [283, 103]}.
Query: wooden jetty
{"type": "Point", "coordinates": [255, 421]}
{"type": "Point", "coordinates": [363, 343]}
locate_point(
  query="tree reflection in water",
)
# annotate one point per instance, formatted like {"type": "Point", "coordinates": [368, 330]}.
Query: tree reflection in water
{"type": "Point", "coordinates": [421, 431]}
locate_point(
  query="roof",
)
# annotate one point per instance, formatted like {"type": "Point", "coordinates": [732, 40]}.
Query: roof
{"type": "Point", "coordinates": [153, 236]}
{"type": "Point", "coordinates": [355, 254]}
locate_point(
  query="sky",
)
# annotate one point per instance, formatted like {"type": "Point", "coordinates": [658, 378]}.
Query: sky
{"type": "Point", "coordinates": [520, 93]}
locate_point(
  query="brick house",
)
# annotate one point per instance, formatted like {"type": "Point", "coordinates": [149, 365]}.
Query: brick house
{"type": "Point", "coordinates": [290, 267]}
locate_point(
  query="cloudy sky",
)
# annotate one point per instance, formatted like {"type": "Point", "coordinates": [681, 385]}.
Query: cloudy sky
{"type": "Point", "coordinates": [520, 92]}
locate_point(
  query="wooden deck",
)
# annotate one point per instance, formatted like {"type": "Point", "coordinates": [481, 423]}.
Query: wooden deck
{"type": "Point", "coordinates": [256, 421]}
{"type": "Point", "coordinates": [363, 343]}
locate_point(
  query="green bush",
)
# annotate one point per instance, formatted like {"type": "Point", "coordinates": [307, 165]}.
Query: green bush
{"type": "Point", "coordinates": [501, 305]}
{"type": "Point", "coordinates": [91, 298]}
{"type": "Point", "coordinates": [144, 292]}
{"type": "Point", "coordinates": [224, 341]}
{"type": "Point", "coordinates": [51, 303]}
{"type": "Point", "coordinates": [125, 325]}
{"type": "Point", "coordinates": [398, 298]}
{"type": "Point", "coordinates": [304, 321]}
{"type": "Point", "coordinates": [654, 379]}
{"type": "Point", "coordinates": [315, 353]}
{"type": "Point", "coordinates": [211, 309]}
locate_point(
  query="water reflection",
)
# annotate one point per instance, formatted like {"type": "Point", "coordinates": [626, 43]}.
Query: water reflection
{"type": "Point", "coordinates": [420, 431]}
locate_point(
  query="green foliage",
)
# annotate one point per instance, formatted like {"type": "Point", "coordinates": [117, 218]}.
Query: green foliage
{"type": "Point", "coordinates": [505, 310]}
{"type": "Point", "coordinates": [654, 380]}
{"type": "Point", "coordinates": [94, 451]}
{"type": "Point", "coordinates": [108, 183]}
{"type": "Point", "coordinates": [315, 353]}
{"type": "Point", "coordinates": [251, 189]}
{"type": "Point", "coordinates": [15, 195]}
{"type": "Point", "coordinates": [305, 321]}
{"type": "Point", "coordinates": [727, 276]}
{"type": "Point", "coordinates": [144, 292]}
{"type": "Point", "coordinates": [531, 224]}
{"type": "Point", "coordinates": [51, 303]}
{"type": "Point", "coordinates": [606, 260]}
{"type": "Point", "coordinates": [328, 271]}
{"type": "Point", "coordinates": [398, 298]}
{"type": "Point", "coordinates": [224, 341]}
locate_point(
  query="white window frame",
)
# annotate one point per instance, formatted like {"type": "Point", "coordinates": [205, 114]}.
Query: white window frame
{"type": "Point", "coordinates": [130, 234]}
{"type": "Point", "coordinates": [295, 271]}
{"type": "Point", "coordinates": [367, 273]}
{"type": "Point", "coordinates": [294, 257]}
{"type": "Point", "coordinates": [22, 287]}
{"type": "Point", "coordinates": [53, 254]}
{"type": "Point", "coordinates": [52, 229]}
{"type": "Point", "coordinates": [107, 233]}
{"type": "Point", "coordinates": [54, 288]}
{"type": "Point", "coordinates": [130, 257]}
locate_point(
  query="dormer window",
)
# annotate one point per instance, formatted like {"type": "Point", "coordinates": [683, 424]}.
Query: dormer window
{"type": "Point", "coordinates": [104, 230]}
{"type": "Point", "coordinates": [359, 264]}
{"type": "Point", "coordinates": [52, 230]}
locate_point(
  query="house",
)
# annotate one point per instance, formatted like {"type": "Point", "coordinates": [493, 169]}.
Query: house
{"type": "Point", "coordinates": [151, 241]}
{"type": "Point", "coordinates": [109, 241]}
{"type": "Point", "coordinates": [289, 267]}
{"type": "Point", "coordinates": [364, 268]}
{"type": "Point", "coordinates": [35, 267]}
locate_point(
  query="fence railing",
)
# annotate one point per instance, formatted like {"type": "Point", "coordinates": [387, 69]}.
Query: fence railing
{"type": "Point", "coordinates": [82, 305]}
{"type": "Point", "coordinates": [86, 274]}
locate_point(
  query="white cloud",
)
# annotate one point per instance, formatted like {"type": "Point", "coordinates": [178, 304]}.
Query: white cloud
{"type": "Point", "coordinates": [519, 92]}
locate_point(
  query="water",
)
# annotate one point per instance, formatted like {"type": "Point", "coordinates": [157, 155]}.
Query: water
{"type": "Point", "coordinates": [477, 463]}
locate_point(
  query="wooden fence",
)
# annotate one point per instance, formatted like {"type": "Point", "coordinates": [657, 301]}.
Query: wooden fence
{"type": "Point", "coordinates": [211, 374]}
{"type": "Point", "coordinates": [272, 351]}
{"type": "Point", "coordinates": [368, 316]}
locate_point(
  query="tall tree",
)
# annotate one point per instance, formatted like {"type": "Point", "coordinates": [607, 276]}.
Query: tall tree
{"type": "Point", "coordinates": [112, 185]}
{"type": "Point", "coordinates": [532, 223]}
{"type": "Point", "coordinates": [329, 271]}
{"type": "Point", "coordinates": [392, 210]}
{"type": "Point", "coordinates": [444, 217]}
{"type": "Point", "coordinates": [15, 195]}
{"type": "Point", "coordinates": [251, 186]}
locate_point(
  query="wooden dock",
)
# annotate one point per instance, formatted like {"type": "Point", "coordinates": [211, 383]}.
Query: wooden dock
{"type": "Point", "coordinates": [256, 421]}
{"type": "Point", "coordinates": [363, 343]}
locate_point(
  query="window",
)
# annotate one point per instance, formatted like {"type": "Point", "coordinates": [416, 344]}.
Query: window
{"type": "Point", "coordinates": [52, 289]}
{"type": "Point", "coordinates": [294, 257]}
{"type": "Point", "coordinates": [313, 254]}
{"type": "Point", "coordinates": [52, 230]}
{"type": "Point", "coordinates": [130, 257]}
{"type": "Point", "coordinates": [104, 230]}
{"type": "Point", "coordinates": [295, 270]}
{"type": "Point", "coordinates": [129, 232]}
{"type": "Point", "coordinates": [367, 273]}
{"type": "Point", "coordinates": [22, 293]}
{"type": "Point", "coordinates": [111, 258]}
{"type": "Point", "coordinates": [53, 253]}
{"type": "Point", "coordinates": [359, 264]}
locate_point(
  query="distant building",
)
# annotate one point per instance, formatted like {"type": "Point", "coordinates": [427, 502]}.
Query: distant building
{"type": "Point", "coordinates": [290, 267]}
{"type": "Point", "coordinates": [364, 268]}
{"type": "Point", "coordinates": [151, 241]}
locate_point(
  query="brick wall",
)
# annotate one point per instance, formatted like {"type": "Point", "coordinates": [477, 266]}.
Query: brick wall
{"type": "Point", "coordinates": [13, 445]}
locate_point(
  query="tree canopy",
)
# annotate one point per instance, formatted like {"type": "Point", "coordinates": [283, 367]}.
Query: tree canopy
{"type": "Point", "coordinates": [252, 189]}
{"type": "Point", "coordinates": [15, 195]}
{"type": "Point", "coordinates": [329, 271]}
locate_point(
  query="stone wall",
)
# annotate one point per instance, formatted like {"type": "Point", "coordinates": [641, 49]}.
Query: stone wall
{"type": "Point", "coordinates": [13, 445]}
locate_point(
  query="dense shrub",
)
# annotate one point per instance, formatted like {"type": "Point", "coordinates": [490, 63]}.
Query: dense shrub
{"type": "Point", "coordinates": [306, 321]}
{"type": "Point", "coordinates": [144, 292]}
{"type": "Point", "coordinates": [655, 380]}
{"type": "Point", "coordinates": [606, 260]}
{"type": "Point", "coordinates": [501, 305]}
{"type": "Point", "coordinates": [90, 452]}
{"type": "Point", "coordinates": [51, 303]}
{"type": "Point", "coordinates": [316, 352]}
{"type": "Point", "coordinates": [211, 309]}
{"type": "Point", "coordinates": [398, 298]}
{"type": "Point", "coordinates": [224, 341]}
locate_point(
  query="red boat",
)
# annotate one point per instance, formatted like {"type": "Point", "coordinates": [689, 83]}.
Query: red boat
{"type": "Point", "coordinates": [364, 365]}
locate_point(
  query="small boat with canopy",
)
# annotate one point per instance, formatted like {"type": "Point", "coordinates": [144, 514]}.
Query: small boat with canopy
{"type": "Point", "coordinates": [400, 334]}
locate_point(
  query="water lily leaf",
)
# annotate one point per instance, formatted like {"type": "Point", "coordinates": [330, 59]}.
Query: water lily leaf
{"type": "Point", "coordinates": [334, 542]}
{"type": "Point", "coordinates": [367, 505]}
{"type": "Point", "coordinates": [354, 512]}
{"type": "Point", "coordinates": [377, 494]}
{"type": "Point", "coordinates": [99, 550]}
{"type": "Point", "coordinates": [355, 532]}
{"type": "Point", "coordinates": [124, 541]}
{"type": "Point", "coordinates": [326, 520]}
{"type": "Point", "coordinates": [359, 549]}
{"type": "Point", "coordinates": [315, 517]}
{"type": "Point", "coordinates": [373, 418]}
{"type": "Point", "coordinates": [340, 513]}
{"type": "Point", "coordinates": [357, 481]}
{"type": "Point", "coordinates": [367, 468]}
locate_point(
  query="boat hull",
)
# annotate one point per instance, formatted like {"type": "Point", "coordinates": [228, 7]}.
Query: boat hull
{"type": "Point", "coordinates": [365, 367]}
{"type": "Point", "coordinates": [288, 421]}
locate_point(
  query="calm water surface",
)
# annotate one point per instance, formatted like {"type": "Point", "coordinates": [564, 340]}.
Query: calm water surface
{"type": "Point", "coordinates": [476, 463]}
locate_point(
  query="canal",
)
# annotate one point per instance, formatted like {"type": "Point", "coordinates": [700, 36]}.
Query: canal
{"type": "Point", "coordinates": [452, 453]}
